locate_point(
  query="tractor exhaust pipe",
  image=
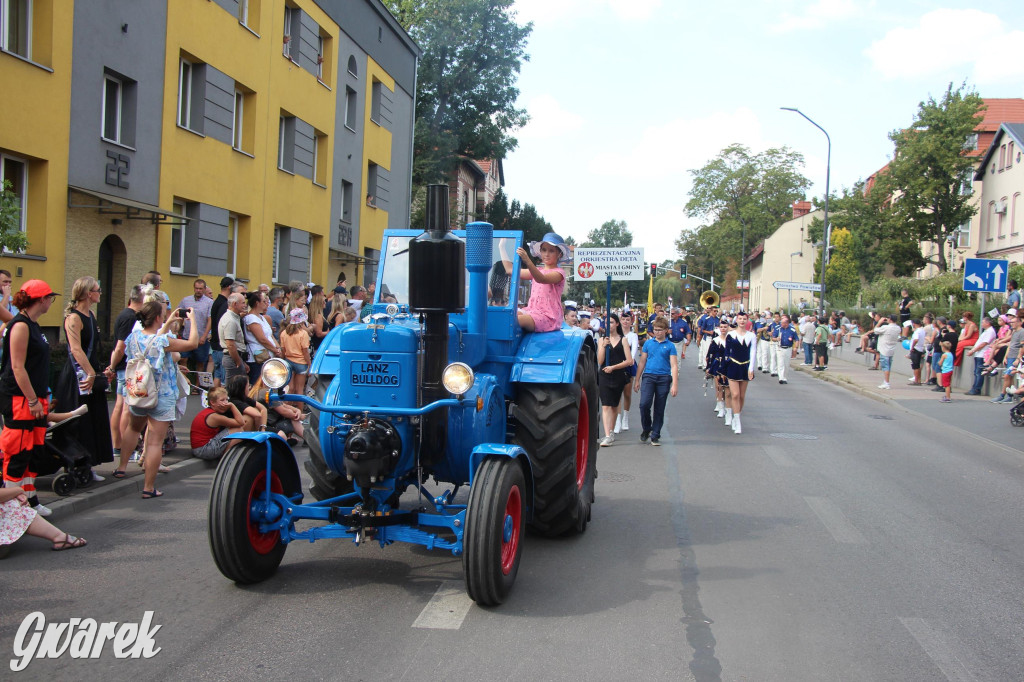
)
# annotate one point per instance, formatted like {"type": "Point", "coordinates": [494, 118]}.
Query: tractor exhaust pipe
{"type": "Point", "coordinates": [437, 287]}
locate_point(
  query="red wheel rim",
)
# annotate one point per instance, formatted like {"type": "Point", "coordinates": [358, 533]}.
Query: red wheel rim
{"type": "Point", "coordinates": [511, 527]}
{"type": "Point", "coordinates": [262, 543]}
{"type": "Point", "coordinates": [582, 440]}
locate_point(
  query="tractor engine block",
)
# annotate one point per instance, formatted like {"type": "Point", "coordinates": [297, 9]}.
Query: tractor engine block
{"type": "Point", "coordinates": [372, 449]}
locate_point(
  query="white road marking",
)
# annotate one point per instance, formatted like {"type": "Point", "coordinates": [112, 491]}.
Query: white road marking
{"type": "Point", "coordinates": [835, 521]}
{"type": "Point", "coordinates": [446, 609]}
{"type": "Point", "coordinates": [778, 455]}
{"type": "Point", "coordinates": [946, 651]}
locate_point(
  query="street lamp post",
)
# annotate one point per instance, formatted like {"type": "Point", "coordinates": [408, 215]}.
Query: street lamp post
{"type": "Point", "coordinates": [828, 228]}
{"type": "Point", "coordinates": [795, 253]}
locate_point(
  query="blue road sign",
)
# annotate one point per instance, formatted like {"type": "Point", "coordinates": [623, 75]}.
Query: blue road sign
{"type": "Point", "coordinates": [985, 274]}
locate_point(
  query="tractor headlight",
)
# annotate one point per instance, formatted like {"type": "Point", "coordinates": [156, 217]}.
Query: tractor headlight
{"type": "Point", "coordinates": [457, 378]}
{"type": "Point", "coordinates": [275, 373]}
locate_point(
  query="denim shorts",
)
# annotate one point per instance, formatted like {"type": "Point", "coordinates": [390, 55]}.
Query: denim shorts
{"type": "Point", "coordinates": [297, 367]}
{"type": "Point", "coordinates": [120, 383]}
{"type": "Point", "coordinates": [201, 355]}
{"type": "Point", "coordinates": [885, 362]}
{"type": "Point", "coordinates": [163, 411]}
{"type": "Point", "coordinates": [218, 364]}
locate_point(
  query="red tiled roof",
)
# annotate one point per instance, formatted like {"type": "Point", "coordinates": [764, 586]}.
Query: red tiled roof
{"type": "Point", "coordinates": [485, 166]}
{"type": "Point", "coordinates": [1005, 110]}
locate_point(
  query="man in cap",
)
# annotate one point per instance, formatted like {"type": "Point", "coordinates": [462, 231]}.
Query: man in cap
{"type": "Point", "coordinates": [679, 332]}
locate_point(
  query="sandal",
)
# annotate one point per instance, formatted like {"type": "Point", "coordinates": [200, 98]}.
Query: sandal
{"type": "Point", "coordinates": [163, 470]}
{"type": "Point", "coordinates": [69, 542]}
{"type": "Point", "coordinates": [119, 474]}
{"type": "Point", "coordinates": [150, 494]}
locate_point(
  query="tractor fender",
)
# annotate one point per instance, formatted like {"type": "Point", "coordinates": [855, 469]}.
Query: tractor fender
{"type": "Point", "coordinates": [276, 443]}
{"type": "Point", "coordinates": [550, 357]}
{"type": "Point", "coordinates": [502, 450]}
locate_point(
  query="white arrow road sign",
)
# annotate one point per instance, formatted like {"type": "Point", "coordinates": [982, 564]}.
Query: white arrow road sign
{"type": "Point", "coordinates": [975, 280]}
{"type": "Point", "coordinates": [997, 271]}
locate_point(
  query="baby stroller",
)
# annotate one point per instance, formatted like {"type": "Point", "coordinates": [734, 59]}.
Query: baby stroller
{"type": "Point", "coordinates": [63, 451]}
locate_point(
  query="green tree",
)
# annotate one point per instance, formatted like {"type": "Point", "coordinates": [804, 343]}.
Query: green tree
{"type": "Point", "coordinates": [11, 236]}
{"type": "Point", "coordinates": [931, 175]}
{"type": "Point", "coordinates": [842, 279]}
{"type": "Point", "coordinates": [739, 194]}
{"type": "Point", "coordinates": [612, 233]}
{"type": "Point", "coordinates": [516, 216]}
{"type": "Point", "coordinates": [466, 81]}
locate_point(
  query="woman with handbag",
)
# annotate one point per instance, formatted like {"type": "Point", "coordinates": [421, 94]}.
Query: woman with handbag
{"type": "Point", "coordinates": [81, 382]}
{"type": "Point", "coordinates": [153, 408]}
{"type": "Point", "coordinates": [259, 335]}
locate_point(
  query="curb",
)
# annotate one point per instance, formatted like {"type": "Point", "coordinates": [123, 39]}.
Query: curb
{"type": "Point", "coordinates": [89, 499]}
{"type": "Point", "coordinates": [837, 380]}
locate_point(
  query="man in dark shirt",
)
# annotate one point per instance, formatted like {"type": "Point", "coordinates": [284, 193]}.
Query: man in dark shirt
{"type": "Point", "coordinates": [123, 326]}
{"type": "Point", "coordinates": [220, 304]}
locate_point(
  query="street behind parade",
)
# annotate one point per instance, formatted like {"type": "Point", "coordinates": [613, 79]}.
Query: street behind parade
{"type": "Point", "coordinates": [846, 534]}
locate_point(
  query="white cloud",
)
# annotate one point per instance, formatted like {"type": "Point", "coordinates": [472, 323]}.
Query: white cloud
{"type": "Point", "coordinates": [548, 119]}
{"type": "Point", "coordinates": [818, 15]}
{"type": "Point", "coordinates": [673, 148]}
{"type": "Point", "coordinates": [545, 12]}
{"type": "Point", "coordinates": [936, 45]}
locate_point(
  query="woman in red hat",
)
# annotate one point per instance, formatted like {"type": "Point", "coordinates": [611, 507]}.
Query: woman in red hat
{"type": "Point", "coordinates": [24, 384]}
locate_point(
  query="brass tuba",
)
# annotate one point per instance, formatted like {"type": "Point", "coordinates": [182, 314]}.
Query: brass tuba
{"type": "Point", "coordinates": [708, 299]}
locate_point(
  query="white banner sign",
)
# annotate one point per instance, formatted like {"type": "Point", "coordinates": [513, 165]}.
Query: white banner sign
{"type": "Point", "coordinates": [598, 264]}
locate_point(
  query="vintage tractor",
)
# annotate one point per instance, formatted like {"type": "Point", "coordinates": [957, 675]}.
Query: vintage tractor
{"type": "Point", "coordinates": [429, 387]}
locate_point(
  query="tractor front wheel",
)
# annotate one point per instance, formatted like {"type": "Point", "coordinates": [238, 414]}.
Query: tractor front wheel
{"type": "Point", "coordinates": [240, 550]}
{"type": "Point", "coordinates": [492, 543]}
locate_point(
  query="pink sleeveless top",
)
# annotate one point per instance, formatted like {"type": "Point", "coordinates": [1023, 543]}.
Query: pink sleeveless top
{"type": "Point", "coordinates": [545, 305]}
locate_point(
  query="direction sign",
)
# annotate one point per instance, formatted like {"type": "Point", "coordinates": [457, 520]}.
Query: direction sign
{"type": "Point", "coordinates": [797, 286]}
{"type": "Point", "coordinates": [597, 264]}
{"type": "Point", "coordinates": [985, 274]}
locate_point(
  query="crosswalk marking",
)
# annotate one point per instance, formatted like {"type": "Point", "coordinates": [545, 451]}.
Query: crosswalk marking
{"type": "Point", "coordinates": [446, 609]}
{"type": "Point", "coordinates": [946, 652]}
{"type": "Point", "coordinates": [835, 521]}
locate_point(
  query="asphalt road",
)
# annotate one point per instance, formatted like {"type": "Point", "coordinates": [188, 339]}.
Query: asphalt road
{"type": "Point", "coordinates": [824, 543]}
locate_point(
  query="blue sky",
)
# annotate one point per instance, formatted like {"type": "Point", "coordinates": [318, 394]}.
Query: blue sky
{"type": "Point", "coordinates": [626, 96]}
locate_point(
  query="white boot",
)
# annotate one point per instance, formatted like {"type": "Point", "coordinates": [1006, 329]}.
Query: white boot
{"type": "Point", "coordinates": [618, 423]}
{"type": "Point", "coordinates": [719, 406]}
{"type": "Point", "coordinates": [625, 421]}
{"type": "Point", "coordinates": [736, 424]}
{"type": "Point", "coordinates": [728, 416]}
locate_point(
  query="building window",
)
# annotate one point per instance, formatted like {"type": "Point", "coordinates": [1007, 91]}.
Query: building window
{"type": "Point", "coordinates": [291, 15]}
{"type": "Point", "coordinates": [971, 144]}
{"type": "Point", "coordinates": [321, 158]}
{"type": "Point", "coordinates": [963, 237]}
{"type": "Point", "coordinates": [1013, 214]}
{"type": "Point", "coordinates": [238, 120]}
{"type": "Point", "coordinates": [232, 264]}
{"type": "Point", "coordinates": [185, 94]}
{"type": "Point", "coordinates": [346, 201]}
{"type": "Point", "coordinates": [1002, 157]}
{"type": "Point", "coordinates": [278, 252]}
{"type": "Point", "coordinates": [243, 12]}
{"type": "Point", "coordinates": [112, 93]}
{"type": "Point", "coordinates": [14, 178]}
{"type": "Point", "coordinates": [320, 58]}
{"type": "Point", "coordinates": [352, 67]}
{"type": "Point", "coordinates": [1000, 209]}
{"type": "Point", "coordinates": [350, 108]}
{"type": "Point", "coordinates": [178, 237]}
{"type": "Point", "coordinates": [375, 102]}
{"type": "Point", "coordinates": [967, 185]}
{"type": "Point", "coordinates": [371, 185]}
{"type": "Point", "coordinates": [16, 27]}
{"type": "Point", "coordinates": [286, 144]}
{"type": "Point", "coordinates": [1009, 155]}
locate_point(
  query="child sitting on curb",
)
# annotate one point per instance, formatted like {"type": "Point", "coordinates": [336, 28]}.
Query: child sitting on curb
{"type": "Point", "coordinates": [213, 425]}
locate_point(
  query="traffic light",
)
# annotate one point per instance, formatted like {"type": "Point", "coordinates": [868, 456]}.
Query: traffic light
{"type": "Point", "coordinates": [682, 271]}
{"type": "Point", "coordinates": [654, 269]}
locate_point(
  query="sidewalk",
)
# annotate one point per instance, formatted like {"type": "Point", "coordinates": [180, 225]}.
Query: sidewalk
{"type": "Point", "coordinates": [973, 414]}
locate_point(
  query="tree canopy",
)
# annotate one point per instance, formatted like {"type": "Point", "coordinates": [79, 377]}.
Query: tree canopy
{"type": "Point", "coordinates": [516, 216]}
{"type": "Point", "coordinates": [466, 82]}
{"type": "Point", "coordinates": [612, 233]}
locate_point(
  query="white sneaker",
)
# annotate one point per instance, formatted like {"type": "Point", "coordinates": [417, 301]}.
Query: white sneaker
{"type": "Point", "coordinates": [884, 386]}
{"type": "Point", "coordinates": [43, 510]}
{"type": "Point", "coordinates": [96, 477]}
{"type": "Point", "coordinates": [728, 417]}
{"type": "Point", "coordinates": [721, 413]}
{"type": "Point", "coordinates": [736, 424]}
{"type": "Point", "coordinates": [625, 421]}
{"type": "Point", "coordinates": [719, 406]}
{"type": "Point", "coordinates": [618, 423]}
{"type": "Point", "coordinates": [608, 440]}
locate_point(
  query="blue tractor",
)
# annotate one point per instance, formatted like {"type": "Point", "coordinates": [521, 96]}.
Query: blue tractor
{"type": "Point", "coordinates": [440, 383]}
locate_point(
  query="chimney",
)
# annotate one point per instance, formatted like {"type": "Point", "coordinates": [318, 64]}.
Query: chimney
{"type": "Point", "coordinates": [801, 208]}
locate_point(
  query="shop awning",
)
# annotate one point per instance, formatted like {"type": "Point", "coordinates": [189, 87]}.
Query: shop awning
{"type": "Point", "coordinates": [109, 204]}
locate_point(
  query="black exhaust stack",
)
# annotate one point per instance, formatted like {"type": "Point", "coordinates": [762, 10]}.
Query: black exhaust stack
{"type": "Point", "coordinates": [437, 287]}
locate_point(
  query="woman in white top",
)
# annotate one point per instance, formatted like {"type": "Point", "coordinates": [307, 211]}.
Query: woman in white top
{"type": "Point", "coordinates": [259, 335]}
{"type": "Point", "coordinates": [622, 420]}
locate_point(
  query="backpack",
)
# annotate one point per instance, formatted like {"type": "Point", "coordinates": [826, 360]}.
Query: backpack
{"type": "Point", "coordinates": [139, 382]}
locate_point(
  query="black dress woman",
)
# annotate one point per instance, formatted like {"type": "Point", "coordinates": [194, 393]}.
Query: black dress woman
{"type": "Point", "coordinates": [740, 347]}
{"type": "Point", "coordinates": [614, 359]}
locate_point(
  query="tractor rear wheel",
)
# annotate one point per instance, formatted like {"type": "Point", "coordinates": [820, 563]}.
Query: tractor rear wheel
{"type": "Point", "coordinates": [492, 543]}
{"type": "Point", "coordinates": [325, 482]}
{"type": "Point", "coordinates": [240, 550]}
{"type": "Point", "coordinates": [557, 426]}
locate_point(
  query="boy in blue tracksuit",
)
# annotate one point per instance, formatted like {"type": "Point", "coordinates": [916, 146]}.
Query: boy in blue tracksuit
{"type": "Point", "coordinates": [656, 374]}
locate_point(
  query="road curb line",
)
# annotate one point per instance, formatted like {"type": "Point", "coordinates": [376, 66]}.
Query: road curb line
{"type": "Point", "coordinates": [853, 388]}
{"type": "Point", "coordinates": [90, 499]}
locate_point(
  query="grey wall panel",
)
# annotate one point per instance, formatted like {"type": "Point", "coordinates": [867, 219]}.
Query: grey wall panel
{"type": "Point", "coordinates": [213, 240]}
{"type": "Point", "coordinates": [348, 146]}
{"type": "Point", "coordinates": [383, 199]}
{"type": "Point", "coordinates": [401, 159]}
{"type": "Point", "coordinates": [387, 108]}
{"type": "Point", "coordinates": [218, 112]}
{"type": "Point", "coordinates": [138, 55]}
{"type": "Point", "coordinates": [197, 121]}
{"type": "Point", "coordinates": [298, 263]}
{"type": "Point", "coordinates": [190, 264]}
{"type": "Point", "coordinates": [307, 44]}
{"type": "Point", "coordinates": [230, 5]}
{"type": "Point", "coordinates": [303, 154]}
